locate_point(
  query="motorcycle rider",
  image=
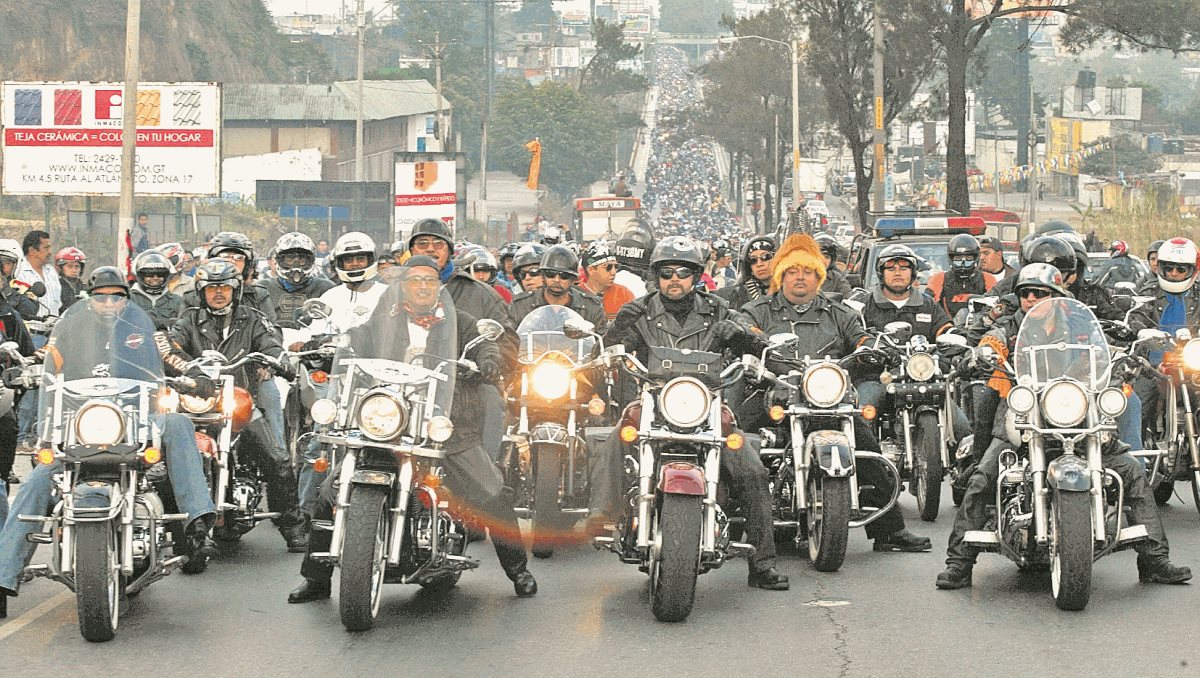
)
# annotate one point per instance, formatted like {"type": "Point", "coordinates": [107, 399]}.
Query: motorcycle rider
{"type": "Point", "coordinates": [526, 269]}
{"type": "Point", "coordinates": [827, 328]}
{"type": "Point", "coordinates": [70, 262]}
{"type": "Point", "coordinates": [836, 281]}
{"type": "Point", "coordinates": [755, 276]}
{"type": "Point", "coordinates": [600, 271]}
{"type": "Point", "coordinates": [12, 328]}
{"type": "Point", "coordinates": [954, 288]}
{"type": "Point", "coordinates": [151, 271]}
{"type": "Point", "coordinates": [678, 315]}
{"type": "Point", "coordinates": [1034, 283]}
{"type": "Point", "coordinates": [991, 258]}
{"type": "Point", "coordinates": [222, 322]}
{"type": "Point", "coordinates": [1119, 267]}
{"type": "Point", "coordinates": [559, 269]}
{"type": "Point", "coordinates": [181, 281]}
{"type": "Point", "coordinates": [296, 280]}
{"type": "Point", "coordinates": [505, 275]}
{"type": "Point", "coordinates": [633, 249]}
{"type": "Point", "coordinates": [485, 269]}
{"type": "Point", "coordinates": [16, 294]}
{"type": "Point", "coordinates": [1151, 278]}
{"type": "Point", "coordinates": [108, 332]}
{"type": "Point", "coordinates": [238, 249]}
{"type": "Point", "coordinates": [470, 473]}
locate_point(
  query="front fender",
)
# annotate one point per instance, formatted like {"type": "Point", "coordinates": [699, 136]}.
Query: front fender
{"type": "Point", "coordinates": [1069, 473]}
{"type": "Point", "coordinates": [680, 477]}
{"type": "Point", "coordinates": [369, 477]}
{"type": "Point", "coordinates": [830, 451]}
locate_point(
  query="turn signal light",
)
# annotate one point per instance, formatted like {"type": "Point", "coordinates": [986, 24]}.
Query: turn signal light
{"type": "Point", "coordinates": [151, 455]}
{"type": "Point", "coordinates": [321, 464]}
{"type": "Point", "coordinates": [628, 434]}
{"type": "Point", "coordinates": [318, 376]}
{"type": "Point", "coordinates": [777, 412]}
{"type": "Point", "coordinates": [1127, 389]}
{"type": "Point", "coordinates": [734, 441]}
{"type": "Point", "coordinates": [869, 412]}
{"type": "Point", "coordinates": [426, 498]}
{"type": "Point", "coordinates": [595, 406]}
{"type": "Point", "coordinates": [432, 480]}
{"type": "Point", "coordinates": [45, 456]}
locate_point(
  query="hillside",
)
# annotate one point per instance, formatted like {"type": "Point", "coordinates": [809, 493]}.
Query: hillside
{"type": "Point", "coordinates": [196, 40]}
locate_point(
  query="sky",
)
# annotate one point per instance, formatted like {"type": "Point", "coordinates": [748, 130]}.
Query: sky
{"type": "Point", "coordinates": [334, 7]}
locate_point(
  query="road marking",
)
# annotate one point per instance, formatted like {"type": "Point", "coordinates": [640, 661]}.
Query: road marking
{"type": "Point", "coordinates": [33, 615]}
{"type": "Point", "coordinates": [827, 603]}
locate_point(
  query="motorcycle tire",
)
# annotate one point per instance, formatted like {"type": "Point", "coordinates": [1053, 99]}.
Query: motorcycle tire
{"type": "Point", "coordinates": [98, 581]}
{"type": "Point", "coordinates": [828, 519]}
{"type": "Point", "coordinates": [364, 557]}
{"type": "Point", "coordinates": [928, 474]}
{"type": "Point", "coordinates": [547, 519]}
{"type": "Point", "coordinates": [1071, 549]}
{"type": "Point", "coordinates": [673, 574]}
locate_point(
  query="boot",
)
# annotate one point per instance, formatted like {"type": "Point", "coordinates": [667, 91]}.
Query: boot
{"type": "Point", "coordinates": [955, 577]}
{"type": "Point", "coordinates": [310, 590]}
{"type": "Point", "coordinates": [295, 531]}
{"type": "Point", "coordinates": [902, 540]}
{"type": "Point", "coordinates": [524, 584]}
{"type": "Point", "coordinates": [769, 579]}
{"type": "Point", "coordinates": [1164, 572]}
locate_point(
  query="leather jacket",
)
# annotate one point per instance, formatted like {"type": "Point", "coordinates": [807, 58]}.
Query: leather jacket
{"type": "Point", "coordinates": [646, 322]}
{"type": "Point", "coordinates": [926, 316]}
{"type": "Point", "coordinates": [826, 328]}
{"type": "Point", "coordinates": [286, 302]}
{"type": "Point", "coordinates": [586, 305]}
{"type": "Point", "coordinates": [163, 308]}
{"type": "Point", "coordinates": [197, 330]}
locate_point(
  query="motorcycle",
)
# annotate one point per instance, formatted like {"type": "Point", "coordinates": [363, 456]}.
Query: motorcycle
{"type": "Point", "coordinates": [386, 421]}
{"type": "Point", "coordinates": [917, 429]}
{"type": "Point", "coordinates": [313, 322]}
{"type": "Point", "coordinates": [673, 527]}
{"type": "Point", "coordinates": [1178, 457]}
{"type": "Point", "coordinates": [546, 458]}
{"type": "Point", "coordinates": [1053, 492]}
{"type": "Point", "coordinates": [811, 453]}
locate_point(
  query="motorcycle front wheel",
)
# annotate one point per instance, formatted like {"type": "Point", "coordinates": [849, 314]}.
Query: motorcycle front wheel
{"type": "Point", "coordinates": [828, 517]}
{"type": "Point", "coordinates": [97, 581]}
{"type": "Point", "coordinates": [1071, 549]}
{"type": "Point", "coordinates": [673, 573]}
{"type": "Point", "coordinates": [364, 557]}
{"type": "Point", "coordinates": [927, 476]}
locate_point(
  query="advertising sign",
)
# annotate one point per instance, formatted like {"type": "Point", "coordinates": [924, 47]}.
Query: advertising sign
{"type": "Point", "coordinates": [64, 138]}
{"type": "Point", "coordinates": [428, 185]}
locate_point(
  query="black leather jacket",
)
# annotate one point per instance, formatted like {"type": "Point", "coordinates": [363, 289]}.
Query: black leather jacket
{"type": "Point", "coordinates": [586, 305]}
{"type": "Point", "coordinates": [164, 308]}
{"type": "Point", "coordinates": [1149, 315]}
{"type": "Point", "coordinates": [926, 316]}
{"type": "Point", "coordinates": [826, 328]}
{"type": "Point", "coordinates": [646, 322]}
{"type": "Point", "coordinates": [197, 331]}
{"type": "Point", "coordinates": [253, 296]}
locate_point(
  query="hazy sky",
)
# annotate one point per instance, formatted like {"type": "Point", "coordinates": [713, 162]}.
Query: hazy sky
{"type": "Point", "coordinates": [334, 7]}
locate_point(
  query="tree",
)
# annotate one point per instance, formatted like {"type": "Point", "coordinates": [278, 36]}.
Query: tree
{"type": "Point", "coordinates": [1123, 156]}
{"type": "Point", "coordinates": [701, 17]}
{"type": "Point", "coordinates": [575, 132]}
{"type": "Point", "coordinates": [839, 53]}
{"type": "Point", "coordinates": [959, 26]}
{"type": "Point", "coordinates": [603, 73]}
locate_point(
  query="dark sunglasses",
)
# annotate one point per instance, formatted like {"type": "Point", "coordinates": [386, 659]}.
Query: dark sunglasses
{"type": "Point", "coordinates": [1175, 268]}
{"type": "Point", "coordinates": [1034, 292]}
{"type": "Point", "coordinates": [893, 265]}
{"type": "Point", "coordinates": [764, 258]}
{"type": "Point", "coordinates": [558, 275]}
{"type": "Point", "coordinates": [681, 272]}
{"type": "Point", "coordinates": [530, 273]}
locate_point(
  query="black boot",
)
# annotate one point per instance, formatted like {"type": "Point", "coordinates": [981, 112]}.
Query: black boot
{"type": "Point", "coordinates": [1164, 572]}
{"type": "Point", "coordinates": [955, 577]}
{"type": "Point", "coordinates": [310, 590]}
{"type": "Point", "coordinates": [524, 584]}
{"type": "Point", "coordinates": [769, 579]}
{"type": "Point", "coordinates": [902, 540]}
{"type": "Point", "coordinates": [294, 528]}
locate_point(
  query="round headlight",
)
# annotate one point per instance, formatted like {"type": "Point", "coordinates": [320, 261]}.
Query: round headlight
{"type": "Point", "coordinates": [684, 402]}
{"type": "Point", "coordinates": [1021, 399]}
{"type": "Point", "coordinates": [1191, 354]}
{"type": "Point", "coordinates": [550, 379]}
{"type": "Point", "coordinates": [197, 405]}
{"type": "Point", "coordinates": [99, 424]}
{"type": "Point", "coordinates": [323, 411]}
{"type": "Point", "coordinates": [380, 416]}
{"type": "Point", "coordinates": [825, 385]}
{"type": "Point", "coordinates": [920, 367]}
{"type": "Point", "coordinates": [1064, 404]}
{"type": "Point", "coordinates": [1112, 402]}
{"type": "Point", "coordinates": [440, 428]}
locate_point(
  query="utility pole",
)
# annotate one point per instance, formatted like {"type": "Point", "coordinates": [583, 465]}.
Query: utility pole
{"type": "Point", "coordinates": [360, 21]}
{"type": "Point", "coordinates": [795, 121]}
{"type": "Point", "coordinates": [1032, 188]}
{"type": "Point", "coordinates": [437, 86]}
{"type": "Point", "coordinates": [880, 173]}
{"type": "Point", "coordinates": [489, 31]}
{"type": "Point", "coordinates": [133, 28]}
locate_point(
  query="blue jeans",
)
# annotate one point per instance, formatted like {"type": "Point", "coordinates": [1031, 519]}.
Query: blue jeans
{"type": "Point", "coordinates": [1129, 424]}
{"type": "Point", "coordinates": [310, 480]}
{"type": "Point", "coordinates": [38, 495]}
{"type": "Point", "coordinates": [271, 404]}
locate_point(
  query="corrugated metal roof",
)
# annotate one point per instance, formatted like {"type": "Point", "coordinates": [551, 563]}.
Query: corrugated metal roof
{"type": "Point", "coordinates": [382, 99]}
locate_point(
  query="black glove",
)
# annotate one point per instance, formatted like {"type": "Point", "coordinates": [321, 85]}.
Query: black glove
{"type": "Point", "coordinates": [204, 388]}
{"type": "Point", "coordinates": [725, 330]}
{"type": "Point", "coordinates": [490, 371]}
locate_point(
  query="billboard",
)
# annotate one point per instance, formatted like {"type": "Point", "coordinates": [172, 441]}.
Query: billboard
{"type": "Point", "coordinates": [64, 138]}
{"type": "Point", "coordinates": [978, 8]}
{"type": "Point", "coordinates": [428, 185]}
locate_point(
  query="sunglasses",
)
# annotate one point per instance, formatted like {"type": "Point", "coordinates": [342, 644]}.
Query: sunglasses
{"type": "Point", "coordinates": [435, 243]}
{"type": "Point", "coordinates": [1175, 268]}
{"type": "Point", "coordinates": [530, 273]}
{"type": "Point", "coordinates": [108, 298]}
{"type": "Point", "coordinates": [764, 258]}
{"type": "Point", "coordinates": [154, 274]}
{"type": "Point", "coordinates": [894, 265]}
{"type": "Point", "coordinates": [607, 267]}
{"type": "Point", "coordinates": [232, 256]}
{"type": "Point", "coordinates": [558, 275]}
{"type": "Point", "coordinates": [1035, 293]}
{"type": "Point", "coordinates": [422, 281]}
{"type": "Point", "coordinates": [681, 272]}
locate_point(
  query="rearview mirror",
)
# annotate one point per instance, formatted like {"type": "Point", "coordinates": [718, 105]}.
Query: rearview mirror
{"type": "Point", "coordinates": [489, 329]}
{"type": "Point", "coordinates": [578, 328]}
{"type": "Point", "coordinates": [38, 289]}
{"type": "Point", "coordinates": [782, 338]}
{"type": "Point", "coordinates": [950, 339]}
{"type": "Point", "coordinates": [315, 308]}
{"type": "Point", "coordinates": [1126, 286]}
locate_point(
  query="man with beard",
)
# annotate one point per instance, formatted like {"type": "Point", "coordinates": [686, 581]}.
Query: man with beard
{"type": "Point", "coordinates": [559, 270]}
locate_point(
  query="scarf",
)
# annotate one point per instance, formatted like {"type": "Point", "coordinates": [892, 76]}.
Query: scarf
{"type": "Point", "coordinates": [446, 272]}
{"type": "Point", "coordinates": [427, 318]}
{"type": "Point", "coordinates": [754, 289]}
{"type": "Point", "coordinates": [679, 308]}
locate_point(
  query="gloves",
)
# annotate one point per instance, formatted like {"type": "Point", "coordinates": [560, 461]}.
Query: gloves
{"type": "Point", "coordinates": [205, 387]}
{"type": "Point", "coordinates": [490, 371]}
{"type": "Point", "coordinates": [725, 330]}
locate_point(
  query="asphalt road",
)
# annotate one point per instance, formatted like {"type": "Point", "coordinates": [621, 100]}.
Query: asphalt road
{"type": "Point", "coordinates": [879, 616]}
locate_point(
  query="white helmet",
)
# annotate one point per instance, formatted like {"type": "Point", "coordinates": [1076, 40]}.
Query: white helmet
{"type": "Point", "coordinates": [10, 249]}
{"type": "Point", "coordinates": [354, 242]}
{"type": "Point", "coordinates": [1177, 252]}
{"type": "Point", "coordinates": [296, 242]}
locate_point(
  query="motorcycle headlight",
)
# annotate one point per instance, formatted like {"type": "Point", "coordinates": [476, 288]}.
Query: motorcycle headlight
{"type": "Point", "coordinates": [197, 405]}
{"type": "Point", "coordinates": [1021, 399]}
{"type": "Point", "coordinates": [439, 429]}
{"type": "Point", "coordinates": [920, 367]}
{"type": "Point", "coordinates": [323, 411]}
{"type": "Point", "coordinates": [824, 385]}
{"type": "Point", "coordinates": [1064, 404]}
{"type": "Point", "coordinates": [1112, 402]}
{"type": "Point", "coordinates": [99, 423]}
{"type": "Point", "coordinates": [550, 380]}
{"type": "Point", "coordinates": [684, 402]}
{"type": "Point", "coordinates": [380, 416]}
{"type": "Point", "coordinates": [1191, 354]}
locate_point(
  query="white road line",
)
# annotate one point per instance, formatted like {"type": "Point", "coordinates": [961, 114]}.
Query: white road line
{"type": "Point", "coordinates": [34, 614]}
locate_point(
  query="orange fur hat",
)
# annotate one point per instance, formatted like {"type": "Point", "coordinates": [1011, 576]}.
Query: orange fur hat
{"type": "Point", "coordinates": [798, 250]}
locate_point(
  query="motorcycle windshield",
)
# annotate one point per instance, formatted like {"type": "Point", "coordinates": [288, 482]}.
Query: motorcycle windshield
{"type": "Point", "coordinates": [542, 331]}
{"type": "Point", "coordinates": [1061, 339]}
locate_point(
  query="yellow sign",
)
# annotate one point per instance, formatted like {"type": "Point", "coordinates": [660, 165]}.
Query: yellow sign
{"type": "Point", "coordinates": [1066, 137]}
{"type": "Point", "coordinates": [878, 112]}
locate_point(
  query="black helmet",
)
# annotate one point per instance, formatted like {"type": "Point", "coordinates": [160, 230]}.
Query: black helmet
{"type": "Point", "coordinates": [1154, 247]}
{"type": "Point", "coordinates": [434, 227]}
{"type": "Point", "coordinates": [108, 276]}
{"type": "Point", "coordinates": [218, 272]}
{"type": "Point", "coordinates": [152, 261]}
{"type": "Point", "coordinates": [963, 245]}
{"type": "Point", "coordinates": [1081, 257]}
{"type": "Point", "coordinates": [677, 249]}
{"type": "Point", "coordinates": [237, 242]}
{"type": "Point", "coordinates": [636, 244]}
{"type": "Point", "coordinates": [1054, 226]}
{"type": "Point", "coordinates": [828, 246]}
{"type": "Point", "coordinates": [1040, 275]}
{"type": "Point", "coordinates": [560, 258]}
{"type": "Point", "coordinates": [528, 255]}
{"type": "Point", "coordinates": [1054, 250]}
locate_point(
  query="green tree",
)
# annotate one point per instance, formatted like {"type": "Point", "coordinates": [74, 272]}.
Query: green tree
{"type": "Point", "coordinates": [575, 132]}
{"type": "Point", "coordinates": [603, 73]}
{"type": "Point", "coordinates": [701, 17]}
{"type": "Point", "coordinates": [1123, 156]}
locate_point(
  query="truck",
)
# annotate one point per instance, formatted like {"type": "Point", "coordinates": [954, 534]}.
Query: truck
{"type": "Point", "coordinates": [604, 217]}
{"type": "Point", "coordinates": [811, 183]}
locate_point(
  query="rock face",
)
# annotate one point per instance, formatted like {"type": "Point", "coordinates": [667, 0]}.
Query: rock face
{"type": "Point", "coordinates": [182, 40]}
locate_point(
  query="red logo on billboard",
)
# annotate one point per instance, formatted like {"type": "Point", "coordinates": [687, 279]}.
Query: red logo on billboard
{"type": "Point", "coordinates": [68, 107]}
{"type": "Point", "coordinates": [108, 104]}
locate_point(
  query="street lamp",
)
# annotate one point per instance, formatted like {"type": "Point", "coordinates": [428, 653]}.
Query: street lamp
{"type": "Point", "coordinates": [794, 47]}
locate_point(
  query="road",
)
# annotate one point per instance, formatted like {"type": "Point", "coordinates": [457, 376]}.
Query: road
{"type": "Point", "coordinates": [879, 616]}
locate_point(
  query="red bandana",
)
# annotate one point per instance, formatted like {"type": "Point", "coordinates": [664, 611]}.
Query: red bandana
{"type": "Point", "coordinates": [426, 319]}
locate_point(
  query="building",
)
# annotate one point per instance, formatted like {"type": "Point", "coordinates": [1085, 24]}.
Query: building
{"type": "Point", "coordinates": [398, 115]}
